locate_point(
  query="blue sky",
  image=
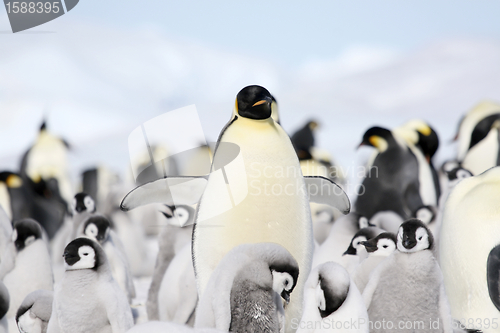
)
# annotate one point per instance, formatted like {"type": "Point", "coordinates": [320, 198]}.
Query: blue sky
{"type": "Point", "coordinates": [294, 32]}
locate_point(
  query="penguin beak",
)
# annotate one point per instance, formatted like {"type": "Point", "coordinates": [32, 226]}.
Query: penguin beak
{"type": "Point", "coordinates": [369, 247]}
{"type": "Point", "coordinates": [286, 296]}
{"type": "Point", "coordinates": [70, 259]}
{"type": "Point", "coordinates": [409, 244]}
{"type": "Point", "coordinates": [168, 216]}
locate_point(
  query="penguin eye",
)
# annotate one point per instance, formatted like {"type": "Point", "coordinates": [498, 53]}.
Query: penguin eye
{"type": "Point", "coordinates": [286, 283]}
{"type": "Point", "coordinates": [420, 238]}
{"type": "Point", "coordinates": [385, 246]}
{"type": "Point", "coordinates": [85, 254]}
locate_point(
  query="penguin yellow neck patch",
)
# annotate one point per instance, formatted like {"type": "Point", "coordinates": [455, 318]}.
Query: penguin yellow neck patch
{"type": "Point", "coordinates": [14, 181]}
{"type": "Point", "coordinates": [379, 143]}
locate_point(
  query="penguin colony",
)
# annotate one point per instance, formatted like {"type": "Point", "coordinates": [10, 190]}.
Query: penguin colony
{"type": "Point", "coordinates": [419, 250]}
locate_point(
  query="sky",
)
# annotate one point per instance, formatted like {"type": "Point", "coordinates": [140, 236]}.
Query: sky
{"type": "Point", "coordinates": [294, 32]}
{"type": "Point", "coordinates": [108, 65]}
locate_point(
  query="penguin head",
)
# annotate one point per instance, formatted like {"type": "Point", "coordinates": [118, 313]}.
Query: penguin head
{"type": "Point", "coordinates": [11, 179]}
{"type": "Point", "coordinates": [414, 236]}
{"type": "Point", "coordinates": [356, 243]}
{"type": "Point", "coordinates": [458, 174]}
{"type": "Point", "coordinates": [383, 245]}
{"type": "Point", "coordinates": [97, 228]}
{"type": "Point", "coordinates": [179, 216]}
{"type": "Point", "coordinates": [283, 284]}
{"type": "Point", "coordinates": [285, 275]}
{"type": "Point", "coordinates": [421, 134]}
{"type": "Point", "coordinates": [363, 222]}
{"type": "Point", "coordinates": [25, 232]}
{"type": "Point", "coordinates": [81, 253]}
{"type": "Point", "coordinates": [83, 202]}
{"type": "Point", "coordinates": [332, 287]}
{"type": "Point", "coordinates": [426, 214]}
{"type": "Point", "coordinates": [378, 137]}
{"type": "Point", "coordinates": [254, 102]}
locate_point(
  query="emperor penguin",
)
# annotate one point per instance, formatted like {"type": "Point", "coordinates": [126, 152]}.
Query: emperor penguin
{"type": "Point", "coordinates": [88, 299]}
{"type": "Point", "coordinates": [5, 230]}
{"type": "Point", "coordinates": [378, 248]}
{"type": "Point", "coordinates": [331, 298]}
{"type": "Point", "coordinates": [13, 196]}
{"type": "Point", "coordinates": [176, 295]}
{"type": "Point", "coordinates": [356, 252]}
{"type": "Point", "coordinates": [423, 141]}
{"type": "Point", "coordinates": [469, 248]}
{"type": "Point", "coordinates": [4, 307]}
{"type": "Point", "coordinates": [478, 138]}
{"type": "Point", "coordinates": [303, 140]}
{"type": "Point", "coordinates": [25, 265]}
{"type": "Point", "coordinates": [34, 313]}
{"type": "Point", "coordinates": [249, 289]}
{"type": "Point", "coordinates": [171, 240]}
{"type": "Point", "coordinates": [339, 238]}
{"type": "Point", "coordinates": [392, 179]}
{"type": "Point", "coordinates": [82, 206]}
{"type": "Point", "coordinates": [99, 229]}
{"type": "Point", "coordinates": [408, 286]}
{"type": "Point", "coordinates": [243, 199]}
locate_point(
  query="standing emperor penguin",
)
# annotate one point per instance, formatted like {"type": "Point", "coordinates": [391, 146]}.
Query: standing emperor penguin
{"type": "Point", "coordinates": [392, 179]}
{"type": "Point", "coordinates": [255, 193]}
{"type": "Point", "coordinates": [25, 264]}
{"type": "Point", "coordinates": [330, 298]}
{"type": "Point", "coordinates": [88, 299]}
{"type": "Point", "coordinates": [469, 248]}
{"type": "Point", "coordinates": [479, 138]}
{"type": "Point", "coordinates": [408, 286]}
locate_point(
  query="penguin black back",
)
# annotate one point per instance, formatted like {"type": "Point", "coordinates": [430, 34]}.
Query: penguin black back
{"type": "Point", "coordinates": [25, 232]}
{"type": "Point", "coordinates": [303, 140]}
{"type": "Point", "coordinates": [254, 102]}
{"type": "Point", "coordinates": [482, 129]}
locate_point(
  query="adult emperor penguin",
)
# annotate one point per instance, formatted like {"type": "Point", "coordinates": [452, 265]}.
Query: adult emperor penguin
{"type": "Point", "coordinates": [172, 238]}
{"type": "Point", "coordinates": [408, 286]}
{"type": "Point", "coordinates": [4, 307]}
{"type": "Point", "coordinates": [469, 248]}
{"type": "Point", "coordinates": [378, 249]}
{"type": "Point", "coordinates": [423, 141]}
{"type": "Point", "coordinates": [25, 264]}
{"type": "Point", "coordinates": [99, 229]}
{"type": "Point", "coordinates": [255, 193]}
{"type": "Point", "coordinates": [331, 298]}
{"type": "Point", "coordinates": [248, 290]}
{"type": "Point", "coordinates": [392, 179]}
{"type": "Point", "coordinates": [88, 299]}
{"type": "Point", "coordinates": [34, 313]}
{"type": "Point", "coordinates": [303, 140]}
{"type": "Point", "coordinates": [478, 138]}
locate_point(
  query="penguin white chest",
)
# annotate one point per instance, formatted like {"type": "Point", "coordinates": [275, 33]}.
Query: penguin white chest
{"type": "Point", "coordinates": [275, 208]}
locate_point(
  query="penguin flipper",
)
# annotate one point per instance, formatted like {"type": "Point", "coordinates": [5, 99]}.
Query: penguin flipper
{"type": "Point", "coordinates": [493, 275]}
{"type": "Point", "coordinates": [170, 191]}
{"type": "Point", "coordinates": [324, 191]}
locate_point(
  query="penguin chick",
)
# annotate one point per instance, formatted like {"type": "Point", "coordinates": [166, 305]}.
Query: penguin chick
{"type": "Point", "coordinates": [330, 296]}
{"type": "Point", "coordinates": [378, 249]}
{"type": "Point", "coordinates": [25, 265]}
{"type": "Point", "coordinates": [408, 285]}
{"type": "Point", "coordinates": [356, 252]}
{"type": "Point", "coordinates": [34, 313]}
{"type": "Point", "coordinates": [339, 238]}
{"type": "Point", "coordinates": [247, 290]}
{"type": "Point", "coordinates": [99, 229]}
{"type": "Point", "coordinates": [4, 307]}
{"type": "Point", "coordinates": [88, 299]}
{"type": "Point", "coordinates": [173, 237]}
